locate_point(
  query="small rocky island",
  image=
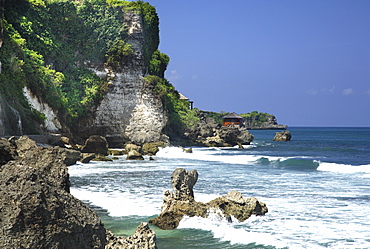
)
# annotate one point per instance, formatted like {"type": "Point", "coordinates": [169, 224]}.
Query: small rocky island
{"type": "Point", "coordinates": [181, 203]}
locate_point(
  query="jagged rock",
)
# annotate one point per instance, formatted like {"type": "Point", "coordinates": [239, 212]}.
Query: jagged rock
{"type": "Point", "coordinates": [183, 182]}
{"type": "Point", "coordinates": [233, 204]}
{"type": "Point", "coordinates": [215, 141]}
{"type": "Point", "coordinates": [96, 144]}
{"type": "Point", "coordinates": [244, 137]}
{"type": "Point", "coordinates": [37, 210]}
{"type": "Point", "coordinates": [134, 155]}
{"type": "Point", "coordinates": [143, 238]}
{"type": "Point", "coordinates": [23, 144]}
{"type": "Point", "coordinates": [282, 136]}
{"type": "Point", "coordinates": [181, 202]}
{"type": "Point", "coordinates": [209, 133]}
{"type": "Point", "coordinates": [152, 148]}
{"type": "Point", "coordinates": [7, 151]}
{"type": "Point", "coordinates": [130, 147]}
{"type": "Point", "coordinates": [87, 157]}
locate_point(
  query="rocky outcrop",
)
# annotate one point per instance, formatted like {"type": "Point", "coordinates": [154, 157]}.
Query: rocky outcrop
{"type": "Point", "coordinates": [269, 123]}
{"type": "Point", "coordinates": [143, 238]}
{"type": "Point", "coordinates": [134, 155]}
{"type": "Point", "coordinates": [282, 136]}
{"type": "Point", "coordinates": [209, 133]}
{"type": "Point", "coordinates": [181, 203]}
{"type": "Point", "coordinates": [131, 109]}
{"type": "Point", "coordinates": [151, 149]}
{"type": "Point", "coordinates": [37, 210]}
{"type": "Point", "coordinates": [96, 144]}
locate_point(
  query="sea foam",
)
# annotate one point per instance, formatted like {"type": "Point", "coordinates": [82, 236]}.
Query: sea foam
{"type": "Point", "coordinates": [343, 168]}
{"type": "Point", "coordinates": [119, 203]}
{"type": "Point", "coordinates": [226, 231]}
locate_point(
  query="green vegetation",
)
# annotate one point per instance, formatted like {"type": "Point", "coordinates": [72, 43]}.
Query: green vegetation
{"type": "Point", "coordinates": [181, 117]}
{"type": "Point", "coordinates": [255, 118]}
{"type": "Point", "coordinates": [49, 46]}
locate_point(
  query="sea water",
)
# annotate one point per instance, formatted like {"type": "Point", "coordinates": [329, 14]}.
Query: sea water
{"type": "Point", "coordinates": [316, 187]}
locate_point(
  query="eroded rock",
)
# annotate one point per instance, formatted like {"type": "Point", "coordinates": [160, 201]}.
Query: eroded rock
{"type": "Point", "coordinates": [37, 210]}
{"type": "Point", "coordinates": [134, 155]}
{"type": "Point", "coordinates": [143, 238]}
{"type": "Point", "coordinates": [96, 144]}
{"type": "Point", "coordinates": [181, 203]}
{"type": "Point", "coordinates": [283, 136]}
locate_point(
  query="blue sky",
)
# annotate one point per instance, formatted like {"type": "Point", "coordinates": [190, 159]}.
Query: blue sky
{"type": "Point", "coordinates": [305, 61]}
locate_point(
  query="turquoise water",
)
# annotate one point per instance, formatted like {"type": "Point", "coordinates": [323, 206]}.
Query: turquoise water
{"type": "Point", "coordinates": [317, 189]}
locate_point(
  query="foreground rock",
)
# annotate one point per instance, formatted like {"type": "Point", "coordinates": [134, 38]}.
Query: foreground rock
{"type": "Point", "coordinates": [37, 210]}
{"type": "Point", "coordinates": [282, 136]}
{"type": "Point", "coordinates": [143, 238]}
{"type": "Point", "coordinates": [181, 203]}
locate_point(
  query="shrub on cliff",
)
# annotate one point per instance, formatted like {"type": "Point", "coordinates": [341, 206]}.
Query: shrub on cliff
{"type": "Point", "coordinates": [181, 117]}
{"type": "Point", "coordinates": [50, 46]}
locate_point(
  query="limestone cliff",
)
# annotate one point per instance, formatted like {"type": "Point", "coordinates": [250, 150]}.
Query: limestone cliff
{"type": "Point", "coordinates": [70, 73]}
{"type": "Point", "coordinates": [131, 110]}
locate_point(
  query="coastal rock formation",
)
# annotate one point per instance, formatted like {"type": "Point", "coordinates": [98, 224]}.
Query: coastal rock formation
{"type": "Point", "coordinates": [131, 109]}
{"type": "Point", "coordinates": [209, 133]}
{"type": "Point", "coordinates": [181, 202]}
{"type": "Point", "coordinates": [282, 136]}
{"type": "Point", "coordinates": [96, 144]}
{"type": "Point", "coordinates": [143, 238]}
{"type": "Point", "coordinates": [262, 121]}
{"type": "Point", "coordinates": [134, 155]}
{"type": "Point", "coordinates": [37, 210]}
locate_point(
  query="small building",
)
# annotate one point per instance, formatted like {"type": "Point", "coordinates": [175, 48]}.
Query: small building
{"type": "Point", "coordinates": [187, 99]}
{"type": "Point", "coordinates": [232, 119]}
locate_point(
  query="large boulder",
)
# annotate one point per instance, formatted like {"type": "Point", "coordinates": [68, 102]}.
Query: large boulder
{"type": "Point", "coordinates": [234, 204]}
{"type": "Point", "coordinates": [134, 155]}
{"type": "Point", "coordinates": [152, 148]}
{"type": "Point", "coordinates": [282, 136]}
{"type": "Point", "coordinates": [96, 144]}
{"type": "Point", "coordinates": [37, 210]}
{"type": "Point", "coordinates": [181, 203]}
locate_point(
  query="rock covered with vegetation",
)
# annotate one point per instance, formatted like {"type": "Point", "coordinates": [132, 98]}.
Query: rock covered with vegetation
{"type": "Point", "coordinates": [37, 210]}
{"type": "Point", "coordinates": [207, 132]}
{"type": "Point", "coordinates": [91, 66]}
{"type": "Point", "coordinates": [181, 203]}
{"type": "Point", "coordinates": [252, 120]}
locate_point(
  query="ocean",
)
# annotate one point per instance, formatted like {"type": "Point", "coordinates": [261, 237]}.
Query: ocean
{"type": "Point", "coordinates": [316, 187]}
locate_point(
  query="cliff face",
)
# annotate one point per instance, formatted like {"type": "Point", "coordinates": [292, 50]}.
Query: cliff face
{"type": "Point", "coordinates": [49, 79]}
{"type": "Point", "coordinates": [131, 110]}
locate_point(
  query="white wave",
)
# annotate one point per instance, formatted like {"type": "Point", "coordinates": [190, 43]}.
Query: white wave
{"type": "Point", "coordinates": [343, 168]}
{"type": "Point", "coordinates": [120, 204]}
{"type": "Point", "coordinates": [214, 154]}
{"type": "Point", "coordinates": [226, 231]}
